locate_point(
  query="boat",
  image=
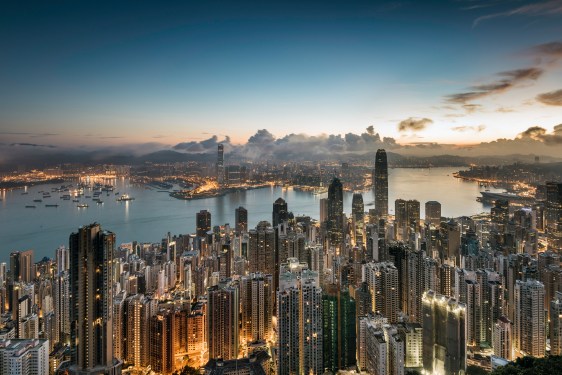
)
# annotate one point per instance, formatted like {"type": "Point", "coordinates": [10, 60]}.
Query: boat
{"type": "Point", "coordinates": [38, 200]}
{"type": "Point", "coordinates": [51, 205]}
{"type": "Point", "coordinates": [125, 197]}
{"type": "Point", "coordinates": [30, 206]}
{"type": "Point", "coordinates": [99, 202]}
{"type": "Point", "coordinates": [88, 196]}
{"type": "Point", "coordinates": [76, 200]}
{"type": "Point", "coordinates": [24, 193]}
{"type": "Point", "coordinates": [82, 205]}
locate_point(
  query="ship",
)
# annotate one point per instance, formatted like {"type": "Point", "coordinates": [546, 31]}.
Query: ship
{"type": "Point", "coordinates": [30, 206]}
{"type": "Point", "coordinates": [488, 196]}
{"type": "Point", "coordinates": [83, 205]}
{"type": "Point", "coordinates": [38, 200]}
{"type": "Point", "coordinates": [125, 197]}
{"type": "Point", "coordinates": [51, 205]}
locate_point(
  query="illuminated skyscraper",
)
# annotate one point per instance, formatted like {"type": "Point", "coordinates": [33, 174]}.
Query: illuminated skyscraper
{"type": "Point", "coordinates": [433, 213]}
{"type": "Point", "coordinates": [261, 249]}
{"type": "Point", "coordinates": [21, 266]}
{"type": "Point", "coordinates": [553, 205]}
{"type": "Point", "coordinates": [256, 302]}
{"type": "Point", "coordinates": [203, 218]}
{"type": "Point", "coordinates": [91, 281]}
{"type": "Point", "coordinates": [220, 164]}
{"type": "Point", "coordinates": [502, 338]}
{"type": "Point", "coordinates": [444, 335]}
{"type": "Point", "coordinates": [223, 305]}
{"type": "Point", "coordinates": [335, 212]}
{"type": "Point", "coordinates": [358, 214]}
{"type": "Point", "coordinates": [280, 212]}
{"type": "Point", "coordinates": [299, 321]}
{"type": "Point", "coordinates": [380, 183]}
{"type": "Point", "coordinates": [529, 327]}
{"type": "Point", "coordinates": [241, 219]}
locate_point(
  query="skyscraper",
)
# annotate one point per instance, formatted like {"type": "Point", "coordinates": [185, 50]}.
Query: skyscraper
{"type": "Point", "coordinates": [241, 219]}
{"type": "Point", "coordinates": [553, 204]}
{"type": "Point", "coordinates": [261, 249]}
{"type": "Point", "coordinates": [444, 335]}
{"type": "Point", "coordinates": [335, 212]}
{"type": "Point", "coordinates": [502, 339]}
{"type": "Point", "coordinates": [91, 281]}
{"type": "Point", "coordinates": [220, 164]}
{"type": "Point", "coordinates": [203, 219]}
{"type": "Point", "coordinates": [529, 327]}
{"type": "Point", "coordinates": [256, 305]}
{"type": "Point", "coordinates": [280, 212]}
{"type": "Point", "coordinates": [21, 266]}
{"type": "Point", "coordinates": [433, 213]}
{"type": "Point", "coordinates": [358, 214]}
{"type": "Point", "coordinates": [222, 321]}
{"type": "Point", "coordinates": [380, 183]}
{"type": "Point", "coordinates": [299, 321]}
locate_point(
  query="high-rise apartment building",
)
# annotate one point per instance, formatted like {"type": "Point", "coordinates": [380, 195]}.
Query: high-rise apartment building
{"type": "Point", "coordinates": [280, 212]}
{"type": "Point", "coordinates": [21, 266]}
{"type": "Point", "coordinates": [256, 308]}
{"type": "Point", "coordinates": [299, 321]}
{"type": "Point", "coordinates": [380, 183]}
{"type": "Point", "coordinates": [503, 339]}
{"type": "Point", "coordinates": [433, 213]}
{"type": "Point", "coordinates": [241, 219]}
{"type": "Point", "coordinates": [91, 307]}
{"type": "Point", "coordinates": [382, 279]}
{"type": "Point", "coordinates": [444, 335]}
{"type": "Point", "coordinates": [529, 314]}
{"type": "Point", "coordinates": [223, 309]}
{"type": "Point", "coordinates": [24, 357]}
{"type": "Point", "coordinates": [261, 249]}
{"type": "Point", "coordinates": [203, 222]}
{"type": "Point", "coordinates": [358, 216]}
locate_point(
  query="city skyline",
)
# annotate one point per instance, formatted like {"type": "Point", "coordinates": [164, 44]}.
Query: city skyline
{"type": "Point", "coordinates": [144, 77]}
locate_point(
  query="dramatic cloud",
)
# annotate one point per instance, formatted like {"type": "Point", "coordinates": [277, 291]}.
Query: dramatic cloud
{"type": "Point", "coordinates": [263, 136]}
{"type": "Point", "coordinates": [207, 145]}
{"type": "Point", "coordinates": [551, 98]}
{"type": "Point", "coordinates": [546, 8]}
{"type": "Point", "coordinates": [509, 80]}
{"type": "Point", "coordinates": [477, 129]}
{"type": "Point", "coordinates": [414, 124]}
{"type": "Point", "coordinates": [540, 134]}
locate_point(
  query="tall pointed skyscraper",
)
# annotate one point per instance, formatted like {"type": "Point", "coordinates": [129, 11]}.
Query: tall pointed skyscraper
{"type": "Point", "coordinates": [91, 304]}
{"type": "Point", "coordinates": [380, 183]}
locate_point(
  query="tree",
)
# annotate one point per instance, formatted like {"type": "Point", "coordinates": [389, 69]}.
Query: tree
{"type": "Point", "coordinates": [532, 366]}
{"type": "Point", "coordinates": [475, 370]}
{"type": "Point", "coordinates": [187, 370]}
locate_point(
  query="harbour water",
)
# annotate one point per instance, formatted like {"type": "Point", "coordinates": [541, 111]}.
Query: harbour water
{"type": "Point", "coordinates": [152, 214]}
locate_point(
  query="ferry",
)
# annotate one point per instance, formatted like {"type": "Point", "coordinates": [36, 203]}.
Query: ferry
{"type": "Point", "coordinates": [99, 202]}
{"type": "Point", "coordinates": [82, 205]}
{"type": "Point", "coordinates": [30, 206]}
{"type": "Point", "coordinates": [125, 197]}
{"type": "Point", "coordinates": [38, 200]}
{"type": "Point", "coordinates": [51, 205]}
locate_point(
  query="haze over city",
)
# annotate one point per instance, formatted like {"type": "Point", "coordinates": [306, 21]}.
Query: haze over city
{"type": "Point", "coordinates": [428, 77]}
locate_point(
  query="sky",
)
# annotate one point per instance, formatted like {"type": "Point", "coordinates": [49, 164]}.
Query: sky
{"type": "Point", "coordinates": [162, 74]}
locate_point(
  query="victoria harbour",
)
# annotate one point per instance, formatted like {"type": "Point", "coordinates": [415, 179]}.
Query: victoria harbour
{"type": "Point", "coordinates": [153, 214]}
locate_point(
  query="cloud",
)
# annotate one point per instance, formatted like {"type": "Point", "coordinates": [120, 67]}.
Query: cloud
{"type": "Point", "coordinates": [509, 80]}
{"type": "Point", "coordinates": [471, 108]}
{"type": "Point", "coordinates": [540, 134]}
{"type": "Point", "coordinates": [551, 98]}
{"type": "Point", "coordinates": [505, 110]}
{"type": "Point", "coordinates": [414, 124]}
{"type": "Point", "coordinates": [552, 7]}
{"type": "Point", "coordinates": [31, 145]}
{"type": "Point", "coordinates": [477, 129]}
{"type": "Point", "coordinates": [262, 136]}
{"type": "Point", "coordinates": [551, 49]}
{"type": "Point", "coordinates": [207, 145]}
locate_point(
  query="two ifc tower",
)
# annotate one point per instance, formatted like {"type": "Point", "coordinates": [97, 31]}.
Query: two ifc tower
{"type": "Point", "coordinates": [380, 183]}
